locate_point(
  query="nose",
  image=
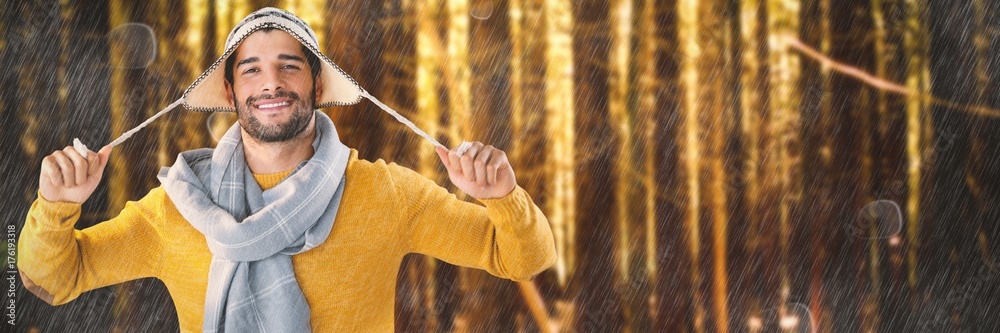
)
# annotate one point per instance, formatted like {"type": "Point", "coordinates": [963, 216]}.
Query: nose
{"type": "Point", "coordinates": [272, 81]}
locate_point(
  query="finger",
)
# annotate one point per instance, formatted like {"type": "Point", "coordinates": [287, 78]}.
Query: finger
{"type": "Point", "coordinates": [485, 154]}
{"type": "Point", "coordinates": [491, 172]}
{"type": "Point", "coordinates": [443, 154]}
{"type": "Point", "coordinates": [80, 166]}
{"type": "Point", "coordinates": [68, 169]}
{"type": "Point", "coordinates": [481, 162]}
{"type": "Point", "coordinates": [65, 168]}
{"type": "Point", "coordinates": [468, 169]}
{"type": "Point", "coordinates": [454, 161]}
{"type": "Point", "coordinates": [498, 163]}
{"type": "Point", "coordinates": [468, 161]}
{"type": "Point", "coordinates": [474, 149]}
{"type": "Point", "coordinates": [51, 171]}
{"type": "Point", "coordinates": [480, 173]}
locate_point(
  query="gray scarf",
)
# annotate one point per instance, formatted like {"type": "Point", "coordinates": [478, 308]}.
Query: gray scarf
{"type": "Point", "coordinates": [253, 233]}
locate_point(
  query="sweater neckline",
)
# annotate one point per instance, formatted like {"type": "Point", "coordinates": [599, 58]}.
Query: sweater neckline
{"type": "Point", "coordinates": [269, 180]}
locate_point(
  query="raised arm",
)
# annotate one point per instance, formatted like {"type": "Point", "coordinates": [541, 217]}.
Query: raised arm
{"type": "Point", "coordinates": [509, 237]}
{"type": "Point", "coordinates": [57, 262]}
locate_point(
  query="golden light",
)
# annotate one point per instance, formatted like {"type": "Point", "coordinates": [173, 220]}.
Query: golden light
{"type": "Point", "coordinates": [559, 89]}
{"type": "Point", "coordinates": [755, 324]}
{"type": "Point", "coordinates": [788, 322]}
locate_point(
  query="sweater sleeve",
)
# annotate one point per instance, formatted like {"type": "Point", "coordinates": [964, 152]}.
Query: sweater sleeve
{"type": "Point", "coordinates": [509, 237]}
{"type": "Point", "coordinates": [58, 263]}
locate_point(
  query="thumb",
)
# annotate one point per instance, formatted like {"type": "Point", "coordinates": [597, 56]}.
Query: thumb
{"type": "Point", "coordinates": [443, 154]}
{"type": "Point", "coordinates": [103, 156]}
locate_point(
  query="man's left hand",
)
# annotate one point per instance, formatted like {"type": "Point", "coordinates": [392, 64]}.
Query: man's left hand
{"type": "Point", "coordinates": [482, 172]}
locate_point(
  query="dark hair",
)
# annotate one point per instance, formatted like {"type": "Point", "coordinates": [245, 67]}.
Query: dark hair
{"type": "Point", "coordinates": [314, 65]}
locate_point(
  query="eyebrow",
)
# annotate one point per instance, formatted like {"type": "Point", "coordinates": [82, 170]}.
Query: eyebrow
{"type": "Point", "coordinates": [280, 56]}
{"type": "Point", "coordinates": [246, 61]}
{"type": "Point", "coordinates": [291, 57]}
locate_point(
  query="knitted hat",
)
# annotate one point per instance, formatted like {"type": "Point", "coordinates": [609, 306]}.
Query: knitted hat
{"type": "Point", "coordinates": [208, 93]}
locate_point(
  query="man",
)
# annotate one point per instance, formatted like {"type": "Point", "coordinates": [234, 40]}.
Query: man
{"type": "Point", "coordinates": [280, 227]}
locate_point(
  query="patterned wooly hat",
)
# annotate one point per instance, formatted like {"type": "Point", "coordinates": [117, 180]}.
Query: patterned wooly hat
{"type": "Point", "coordinates": [208, 93]}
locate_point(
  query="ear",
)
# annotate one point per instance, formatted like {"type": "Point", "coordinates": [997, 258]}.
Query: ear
{"type": "Point", "coordinates": [229, 92]}
{"type": "Point", "coordinates": [318, 91]}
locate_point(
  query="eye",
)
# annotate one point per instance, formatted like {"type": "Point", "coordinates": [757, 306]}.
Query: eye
{"type": "Point", "coordinates": [290, 67]}
{"type": "Point", "coordinates": [250, 70]}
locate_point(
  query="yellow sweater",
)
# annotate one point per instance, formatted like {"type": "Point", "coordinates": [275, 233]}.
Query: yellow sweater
{"type": "Point", "coordinates": [349, 281]}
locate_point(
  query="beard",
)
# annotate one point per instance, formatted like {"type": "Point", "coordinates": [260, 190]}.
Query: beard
{"type": "Point", "coordinates": [302, 112]}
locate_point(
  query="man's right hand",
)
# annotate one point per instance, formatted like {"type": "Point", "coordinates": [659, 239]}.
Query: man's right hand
{"type": "Point", "coordinates": [69, 177]}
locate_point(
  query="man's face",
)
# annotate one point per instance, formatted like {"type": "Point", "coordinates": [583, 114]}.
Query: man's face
{"type": "Point", "coordinates": [273, 90]}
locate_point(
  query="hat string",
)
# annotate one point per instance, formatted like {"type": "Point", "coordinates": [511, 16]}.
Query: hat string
{"type": "Point", "coordinates": [400, 118]}
{"type": "Point", "coordinates": [82, 149]}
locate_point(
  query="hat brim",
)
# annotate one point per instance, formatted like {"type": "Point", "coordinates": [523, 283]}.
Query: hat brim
{"type": "Point", "coordinates": [208, 93]}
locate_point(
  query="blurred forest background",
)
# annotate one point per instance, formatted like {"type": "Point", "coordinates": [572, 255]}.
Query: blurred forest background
{"type": "Point", "coordinates": [706, 166]}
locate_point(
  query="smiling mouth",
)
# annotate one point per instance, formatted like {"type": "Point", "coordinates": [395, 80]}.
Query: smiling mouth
{"type": "Point", "coordinates": [273, 105]}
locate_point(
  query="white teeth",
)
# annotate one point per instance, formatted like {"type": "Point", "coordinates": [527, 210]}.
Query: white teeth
{"type": "Point", "coordinates": [274, 105]}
